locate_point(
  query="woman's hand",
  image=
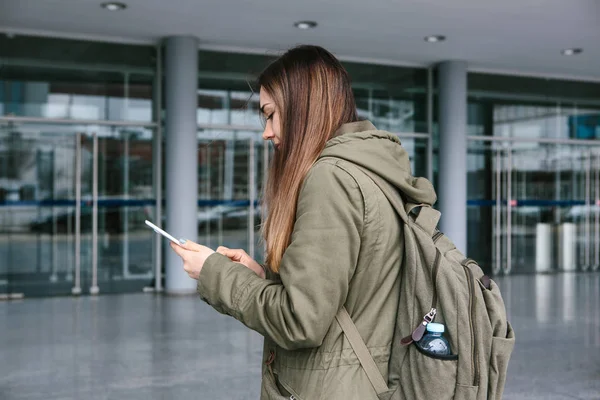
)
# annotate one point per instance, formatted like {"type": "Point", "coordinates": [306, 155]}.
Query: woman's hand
{"type": "Point", "coordinates": [241, 257]}
{"type": "Point", "coordinates": [193, 255]}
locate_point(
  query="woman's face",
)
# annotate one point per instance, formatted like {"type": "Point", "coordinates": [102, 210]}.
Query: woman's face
{"type": "Point", "coordinates": [271, 116]}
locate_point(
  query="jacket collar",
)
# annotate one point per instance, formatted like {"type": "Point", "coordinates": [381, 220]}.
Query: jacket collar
{"type": "Point", "coordinates": [355, 127]}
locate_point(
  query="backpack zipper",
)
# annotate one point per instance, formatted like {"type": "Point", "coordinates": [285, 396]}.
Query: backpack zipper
{"type": "Point", "coordinates": [419, 331]}
{"type": "Point", "coordinates": [474, 359]}
{"type": "Point", "coordinates": [436, 268]}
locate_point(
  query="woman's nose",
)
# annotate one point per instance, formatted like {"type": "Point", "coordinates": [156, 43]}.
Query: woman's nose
{"type": "Point", "coordinates": [267, 134]}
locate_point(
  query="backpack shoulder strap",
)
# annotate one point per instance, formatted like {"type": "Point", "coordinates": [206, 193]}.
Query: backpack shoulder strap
{"type": "Point", "coordinates": [361, 351]}
{"type": "Point", "coordinates": [428, 219]}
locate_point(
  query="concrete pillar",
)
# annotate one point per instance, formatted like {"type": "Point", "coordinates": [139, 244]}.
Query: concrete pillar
{"type": "Point", "coordinates": [181, 164]}
{"type": "Point", "coordinates": [452, 182]}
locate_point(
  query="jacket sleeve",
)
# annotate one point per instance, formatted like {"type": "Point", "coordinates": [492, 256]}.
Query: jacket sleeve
{"type": "Point", "coordinates": [315, 270]}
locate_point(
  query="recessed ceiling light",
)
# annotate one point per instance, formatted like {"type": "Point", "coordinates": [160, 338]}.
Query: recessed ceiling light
{"type": "Point", "coordinates": [435, 38]}
{"type": "Point", "coordinates": [305, 25]}
{"type": "Point", "coordinates": [112, 6]}
{"type": "Point", "coordinates": [571, 52]}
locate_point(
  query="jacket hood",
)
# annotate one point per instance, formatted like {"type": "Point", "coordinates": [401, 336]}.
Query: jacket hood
{"type": "Point", "coordinates": [382, 153]}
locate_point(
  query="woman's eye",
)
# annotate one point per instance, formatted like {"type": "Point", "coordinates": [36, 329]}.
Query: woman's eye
{"type": "Point", "coordinates": [270, 116]}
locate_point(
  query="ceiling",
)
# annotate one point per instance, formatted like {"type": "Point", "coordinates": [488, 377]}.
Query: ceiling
{"type": "Point", "coordinates": [523, 37]}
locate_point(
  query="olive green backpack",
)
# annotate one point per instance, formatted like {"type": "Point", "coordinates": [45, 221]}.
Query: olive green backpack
{"type": "Point", "coordinates": [439, 283]}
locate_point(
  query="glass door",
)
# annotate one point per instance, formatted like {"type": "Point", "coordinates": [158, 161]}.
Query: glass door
{"type": "Point", "coordinates": [73, 200]}
{"type": "Point", "coordinates": [533, 206]}
{"type": "Point", "coordinates": [38, 190]}
{"type": "Point", "coordinates": [124, 177]}
{"type": "Point", "coordinates": [584, 216]}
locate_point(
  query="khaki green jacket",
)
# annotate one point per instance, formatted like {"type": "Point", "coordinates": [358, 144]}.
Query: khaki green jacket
{"type": "Point", "coordinates": [347, 250]}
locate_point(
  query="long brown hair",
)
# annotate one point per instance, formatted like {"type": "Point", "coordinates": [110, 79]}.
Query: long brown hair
{"type": "Point", "coordinates": [313, 96]}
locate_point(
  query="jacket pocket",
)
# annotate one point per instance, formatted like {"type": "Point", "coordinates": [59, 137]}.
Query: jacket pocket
{"type": "Point", "coordinates": [428, 377]}
{"type": "Point", "coordinates": [274, 389]}
{"type": "Point", "coordinates": [269, 390]}
{"type": "Point", "coordinates": [500, 355]}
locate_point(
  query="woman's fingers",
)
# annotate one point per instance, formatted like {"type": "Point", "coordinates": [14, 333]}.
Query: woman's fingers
{"type": "Point", "coordinates": [180, 250]}
{"type": "Point", "coordinates": [222, 250]}
{"type": "Point", "coordinates": [192, 246]}
{"type": "Point", "coordinates": [240, 256]}
{"type": "Point", "coordinates": [233, 254]}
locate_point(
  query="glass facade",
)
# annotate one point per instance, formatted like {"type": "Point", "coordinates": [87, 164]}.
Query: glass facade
{"type": "Point", "coordinates": [76, 146]}
{"type": "Point", "coordinates": [533, 165]}
{"type": "Point", "coordinates": [77, 120]}
{"type": "Point", "coordinates": [76, 80]}
{"type": "Point", "coordinates": [78, 130]}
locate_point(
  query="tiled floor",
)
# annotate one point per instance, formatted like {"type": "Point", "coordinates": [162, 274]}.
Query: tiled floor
{"type": "Point", "coordinates": [143, 346]}
{"type": "Point", "coordinates": [557, 323]}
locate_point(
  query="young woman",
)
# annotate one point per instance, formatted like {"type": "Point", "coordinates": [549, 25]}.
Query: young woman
{"type": "Point", "coordinates": [332, 238]}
